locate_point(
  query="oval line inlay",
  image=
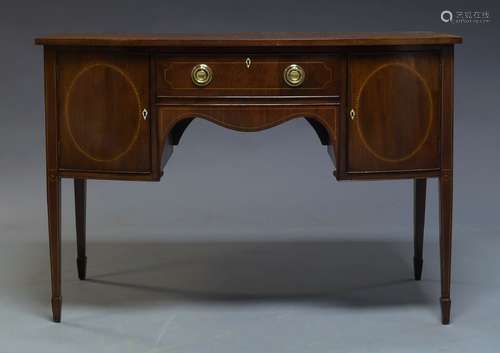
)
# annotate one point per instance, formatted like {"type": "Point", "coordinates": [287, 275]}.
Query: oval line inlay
{"type": "Point", "coordinates": [135, 135]}
{"type": "Point", "coordinates": [430, 117]}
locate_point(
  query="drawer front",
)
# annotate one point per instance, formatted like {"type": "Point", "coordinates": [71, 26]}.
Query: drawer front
{"type": "Point", "coordinates": [254, 75]}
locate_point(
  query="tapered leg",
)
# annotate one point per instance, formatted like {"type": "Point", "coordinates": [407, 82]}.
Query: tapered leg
{"type": "Point", "coordinates": [445, 220]}
{"type": "Point", "coordinates": [54, 218]}
{"type": "Point", "coordinates": [419, 190]}
{"type": "Point", "coordinates": [80, 210]}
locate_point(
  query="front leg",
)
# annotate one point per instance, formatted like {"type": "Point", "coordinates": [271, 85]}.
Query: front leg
{"type": "Point", "coordinates": [445, 221]}
{"type": "Point", "coordinates": [54, 218]}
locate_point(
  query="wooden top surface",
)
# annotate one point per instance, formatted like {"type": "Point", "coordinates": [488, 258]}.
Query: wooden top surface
{"type": "Point", "coordinates": [250, 39]}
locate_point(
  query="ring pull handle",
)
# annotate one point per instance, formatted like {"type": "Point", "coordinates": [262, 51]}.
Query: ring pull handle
{"type": "Point", "coordinates": [352, 114]}
{"type": "Point", "coordinates": [201, 75]}
{"type": "Point", "coordinates": [144, 114]}
{"type": "Point", "coordinates": [294, 75]}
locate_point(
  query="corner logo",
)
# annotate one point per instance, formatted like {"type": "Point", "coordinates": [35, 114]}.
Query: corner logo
{"type": "Point", "coordinates": [460, 17]}
{"type": "Point", "coordinates": [446, 16]}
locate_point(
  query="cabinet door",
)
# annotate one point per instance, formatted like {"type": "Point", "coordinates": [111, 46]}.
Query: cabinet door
{"type": "Point", "coordinates": [394, 112]}
{"type": "Point", "coordinates": [102, 98]}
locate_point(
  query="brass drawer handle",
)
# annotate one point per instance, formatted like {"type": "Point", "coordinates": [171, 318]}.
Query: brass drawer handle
{"type": "Point", "coordinates": [201, 75]}
{"type": "Point", "coordinates": [294, 75]}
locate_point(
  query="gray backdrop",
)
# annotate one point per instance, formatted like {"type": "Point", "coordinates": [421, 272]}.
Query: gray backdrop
{"type": "Point", "coordinates": [248, 217]}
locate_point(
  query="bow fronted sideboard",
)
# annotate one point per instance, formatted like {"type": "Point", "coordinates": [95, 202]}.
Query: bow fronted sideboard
{"type": "Point", "coordinates": [381, 103]}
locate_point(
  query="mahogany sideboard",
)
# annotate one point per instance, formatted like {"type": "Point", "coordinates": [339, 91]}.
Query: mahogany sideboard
{"type": "Point", "coordinates": [382, 104]}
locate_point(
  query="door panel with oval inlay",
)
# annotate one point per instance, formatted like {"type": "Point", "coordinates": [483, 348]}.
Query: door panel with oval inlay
{"type": "Point", "coordinates": [102, 99]}
{"type": "Point", "coordinates": [394, 112]}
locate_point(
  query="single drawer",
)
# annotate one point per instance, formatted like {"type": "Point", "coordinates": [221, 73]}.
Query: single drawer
{"type": "Point", "coordinates": [253, 75]}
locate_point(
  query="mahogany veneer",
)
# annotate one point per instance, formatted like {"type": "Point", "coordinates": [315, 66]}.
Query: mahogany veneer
{"type": "Point", "coordinates": [116, 105]}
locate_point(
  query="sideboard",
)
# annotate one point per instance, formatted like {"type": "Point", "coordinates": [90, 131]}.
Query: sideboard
{"type": "Point", "coordinates": [117, 105]}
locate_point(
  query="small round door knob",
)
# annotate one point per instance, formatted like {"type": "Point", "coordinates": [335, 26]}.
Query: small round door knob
{"type": "Point", "coordinates": [294, 75]}
{"type": "Point", "coordinates": [201, 75]}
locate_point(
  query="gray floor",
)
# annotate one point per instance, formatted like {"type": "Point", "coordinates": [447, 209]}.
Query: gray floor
{"type": "Point", "coordinates": [325, 293]}
{"type": "Point", "coordinates": [247, 246]}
